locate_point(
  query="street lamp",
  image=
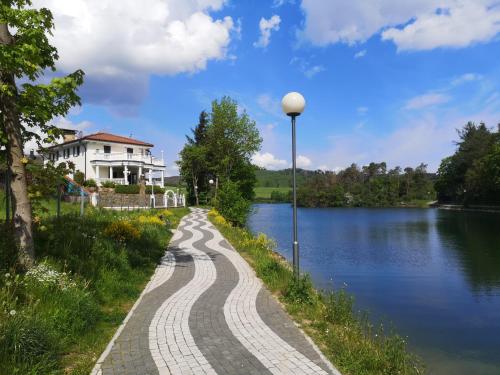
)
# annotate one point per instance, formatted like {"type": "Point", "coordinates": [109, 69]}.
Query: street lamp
{"type": "Point", "coordinates": [293, 105]}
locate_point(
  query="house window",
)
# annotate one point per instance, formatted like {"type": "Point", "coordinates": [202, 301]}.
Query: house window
{"type": "Point", "coordinates": [107, 149]}
{"type": "Point", "coordinates": [77, 151]}
{"type": "Point", "coordinates": [130, 150]}
{"type": "Point", "coordinates": [57, 155]}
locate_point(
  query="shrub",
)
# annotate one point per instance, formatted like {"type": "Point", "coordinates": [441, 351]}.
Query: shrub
{"type": "Point", "coordinates": [232, 205]}
{"type": "Point", "coordinates": [152, 220]}
{"type": "Point", "coordinates": [157, 189]}
{"type": "Point", "coordinates": [122, 231]}
{"type": "Point", "coordinates": [79, 177]}
{"type": "Point", "coordinates": [108, 184]}
{"type": "Point", "coordinates": [90, 183]}
{"type": "Point", "coordinates": [127, 189]}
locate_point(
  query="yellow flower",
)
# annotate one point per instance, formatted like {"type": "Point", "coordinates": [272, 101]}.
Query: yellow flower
{"type": "Point", "coordinates": [24, 160]}
{"type": "Point", "coordinates": [122, 231]}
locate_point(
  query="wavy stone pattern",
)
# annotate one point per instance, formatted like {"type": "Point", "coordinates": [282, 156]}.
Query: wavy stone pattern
{"type": "Point", "coordinates": [205, 312]}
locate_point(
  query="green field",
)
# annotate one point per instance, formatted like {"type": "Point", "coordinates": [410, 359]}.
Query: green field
{"type": "Point", "coordinates": [265, 192]}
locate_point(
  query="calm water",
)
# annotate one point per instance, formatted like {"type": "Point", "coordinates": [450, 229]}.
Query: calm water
{"type": "Point", "coordinates": [434, 274]}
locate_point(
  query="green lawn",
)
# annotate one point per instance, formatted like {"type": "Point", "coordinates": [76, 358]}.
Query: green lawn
{"type": "Point", "coordinates": [265, 192]}
{"type": "Point", "coordinates": [91, 269]}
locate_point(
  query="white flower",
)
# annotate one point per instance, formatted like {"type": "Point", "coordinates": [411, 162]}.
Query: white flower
{"type": "Point", "coordinates": [12, 312]}
{"type": "Point", "coordinates": [7, 275]}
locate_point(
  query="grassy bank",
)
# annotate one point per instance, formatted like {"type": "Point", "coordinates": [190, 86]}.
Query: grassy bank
{"type": "Point", "coordinates": [346, 337]}
{"type": "Point", "coordinates": [58, 317]}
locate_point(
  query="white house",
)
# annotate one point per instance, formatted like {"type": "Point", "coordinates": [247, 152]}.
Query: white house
{"type": "Point", "coordinates": [108, 157]}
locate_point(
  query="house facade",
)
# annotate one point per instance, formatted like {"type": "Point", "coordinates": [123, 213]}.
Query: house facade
{"type": "Point", "coordinates": [109, 157]}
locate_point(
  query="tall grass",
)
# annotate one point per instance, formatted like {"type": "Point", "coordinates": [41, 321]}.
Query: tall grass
{"type": "Point", "coordinates": [344, 335]}
{"type": "Point", "coordinates": [58, 317]}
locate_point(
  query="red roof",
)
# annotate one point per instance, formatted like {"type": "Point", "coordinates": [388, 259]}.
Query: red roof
{"type": "Point", "coordinates": [107, 137]}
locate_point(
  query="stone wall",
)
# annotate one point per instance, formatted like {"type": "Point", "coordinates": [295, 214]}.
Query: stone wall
{"type": "Point", "coordinates": [108, 198]}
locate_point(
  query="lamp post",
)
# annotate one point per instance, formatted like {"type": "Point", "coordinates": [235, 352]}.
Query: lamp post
{"type": "Point", "coordinates": [293, 105]}
{"type": "Point", "coordinates": [152, 188]}
{"type": "Point", "coordinates": [211, 182]}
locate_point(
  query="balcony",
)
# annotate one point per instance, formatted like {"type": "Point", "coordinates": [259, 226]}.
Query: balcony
{"type": "Point", "coordinates": [122, 156]}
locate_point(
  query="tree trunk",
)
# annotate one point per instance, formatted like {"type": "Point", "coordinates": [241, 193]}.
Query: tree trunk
{"type": "Point", "coordinates": [195, 186]}
{"type": "Point", "coordinates": [18, 183]}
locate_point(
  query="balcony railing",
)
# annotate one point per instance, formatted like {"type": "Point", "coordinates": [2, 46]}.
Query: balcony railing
{"type": "Point", "coordinates": [118, 156]}
{"type": "Point", "coordinates": [117, 181]}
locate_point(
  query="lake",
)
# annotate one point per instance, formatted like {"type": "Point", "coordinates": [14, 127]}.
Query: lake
{"type": "Point", "coordinates": [434, 274]}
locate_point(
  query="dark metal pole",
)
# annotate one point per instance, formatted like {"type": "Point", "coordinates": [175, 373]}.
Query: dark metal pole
{"type": "Point", "coordinates": [82, 198]}
{"type": "Point", "coordinates": [294, 179]}
{"type": "Point", "coordinates": [58, 201]}
{"type": "Point", "coordinates": [7, 194]}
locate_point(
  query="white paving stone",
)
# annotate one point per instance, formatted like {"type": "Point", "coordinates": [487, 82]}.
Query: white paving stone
{"type": "Point", "coordinates": [240, 311]}
{"type": "Point", "coordinates": [180, 354]}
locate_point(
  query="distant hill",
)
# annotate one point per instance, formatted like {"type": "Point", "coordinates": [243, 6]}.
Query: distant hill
{"type": "Point", "coordinates": [280, 179]}
{"type": "Point", "coordinates": [172, 180]}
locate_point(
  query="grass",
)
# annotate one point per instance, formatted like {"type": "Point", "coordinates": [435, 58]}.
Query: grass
{"type": "Point", "coordinates": [265, 192]}
{"type": "Point", "coordinates": [58, 317]}
{"type": "Point", "coordinates": [272, 195]}
{"type": "Point", "coordinates": [345, 336]}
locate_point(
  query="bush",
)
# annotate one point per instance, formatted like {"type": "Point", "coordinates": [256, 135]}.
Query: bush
{"type": "Point", "coordinates": [122, 231]}
{"type": "Point", "coordinates": [79, 177]}
{"type": "Point", "coordinates": [90, 183]}
{"type": "Point", "coordinates": [127, 189]}
{"type": "Point", "coordinates": [157, 189]}
{"type": "Point", "coordinates": [108, 184]}
{"type": "Point", "coordinates": [231, 204]}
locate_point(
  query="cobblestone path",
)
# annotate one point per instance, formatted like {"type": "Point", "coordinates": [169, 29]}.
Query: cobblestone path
{"type": "Point", "coordinates": [205, 312]}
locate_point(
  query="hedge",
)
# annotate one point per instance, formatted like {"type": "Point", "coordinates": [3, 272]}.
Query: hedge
{"type": "Point", "coordinates": [134, 189]}
{"type": "Point", "coordinates": [127, 189]}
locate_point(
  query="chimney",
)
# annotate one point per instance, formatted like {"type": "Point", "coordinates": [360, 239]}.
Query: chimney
{"type": "Point", "coordinates": [68, 135]}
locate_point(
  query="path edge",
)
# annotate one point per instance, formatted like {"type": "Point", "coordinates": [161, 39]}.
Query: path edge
{"type": "Point", "coordinates": [328, 363]}
{"type": "Point", "coordinates": [96, 370]}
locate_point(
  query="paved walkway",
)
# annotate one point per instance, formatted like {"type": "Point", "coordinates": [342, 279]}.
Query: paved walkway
{"type": "Point", "coordinates": [205, 312]}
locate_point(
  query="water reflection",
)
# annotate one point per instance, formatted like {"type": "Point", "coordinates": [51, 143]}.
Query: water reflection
{"type": "Point", "coordinates": [475, 239]}
{"type": "Point", "coordinates": [434, 274]}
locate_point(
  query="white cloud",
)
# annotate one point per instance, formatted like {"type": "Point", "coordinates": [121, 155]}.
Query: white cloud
{"type": "Point", "coordinates": [362, 110]}
{"type": "Point", "coordinates": [303, 162]}
{"type": "Point", "coordinates": [427, 24]}
{"type": "Point", "coordinates": [306, 67]}
{"type": "Point", "coordinates": [268, 161]}
{"type": "Point", "coordinates": [360, 54]}
{"type": "Point", "coordinates": [59, 122]}
{"type": "Point", "coordinates": [313, 70]}
{"type": "Point", "coordinates": [266, 27]}
{"type": "Point", "coordinates": [426, 100]}
{"type": "Point", "coordinates": [129, 40]}
{"type": "Point", "coordinates": [270, 105]}
{"type": "Point", "coordinates": [450, 27]}
{"type": "Point", "coordinates": [468, 77]}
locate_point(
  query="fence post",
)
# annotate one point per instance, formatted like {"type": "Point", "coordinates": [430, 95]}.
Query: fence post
{"type": "Point", "coordinates": [7, 195]}
{"type": "Point", "coordinates": [58, 201]}
{"type": "Point", "coordinates": [82, 198]}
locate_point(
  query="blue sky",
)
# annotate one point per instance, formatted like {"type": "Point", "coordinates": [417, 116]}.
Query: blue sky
{"type": "Point", "coordinates": [389, 81]}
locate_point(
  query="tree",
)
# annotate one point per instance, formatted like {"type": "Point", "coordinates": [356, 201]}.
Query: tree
{"type": "Point", "coordinates": [28, 107]}
{"type": "Point", "coordinates": [461, 177]}
{"type": "Point", "coordinates": [192, 164]}
{"type": "Point", "coordinates": [232, 138]}
{"type": "Point", "coordinates": [221, 148]}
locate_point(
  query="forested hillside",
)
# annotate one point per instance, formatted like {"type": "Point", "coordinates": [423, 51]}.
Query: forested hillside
{"type": "Point", "coordinates": [370, 186]}
{"type": "Point", "coordinates": [472, 174]}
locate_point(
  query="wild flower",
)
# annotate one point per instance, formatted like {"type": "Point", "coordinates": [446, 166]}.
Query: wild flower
{"type": "Point", "coordinates": [44, 275]}
{"type": "Point", "coordinates": [122, 231]}
{"type": "Point", "coordinates": [12, 312]}
{"type": "Point", "coordinates": [154, 220]}
{"type": "Point", "coordinates": [219, 220]}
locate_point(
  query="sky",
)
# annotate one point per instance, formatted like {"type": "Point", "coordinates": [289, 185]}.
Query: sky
{"type": "Point", "coordinates": [384, 80]}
